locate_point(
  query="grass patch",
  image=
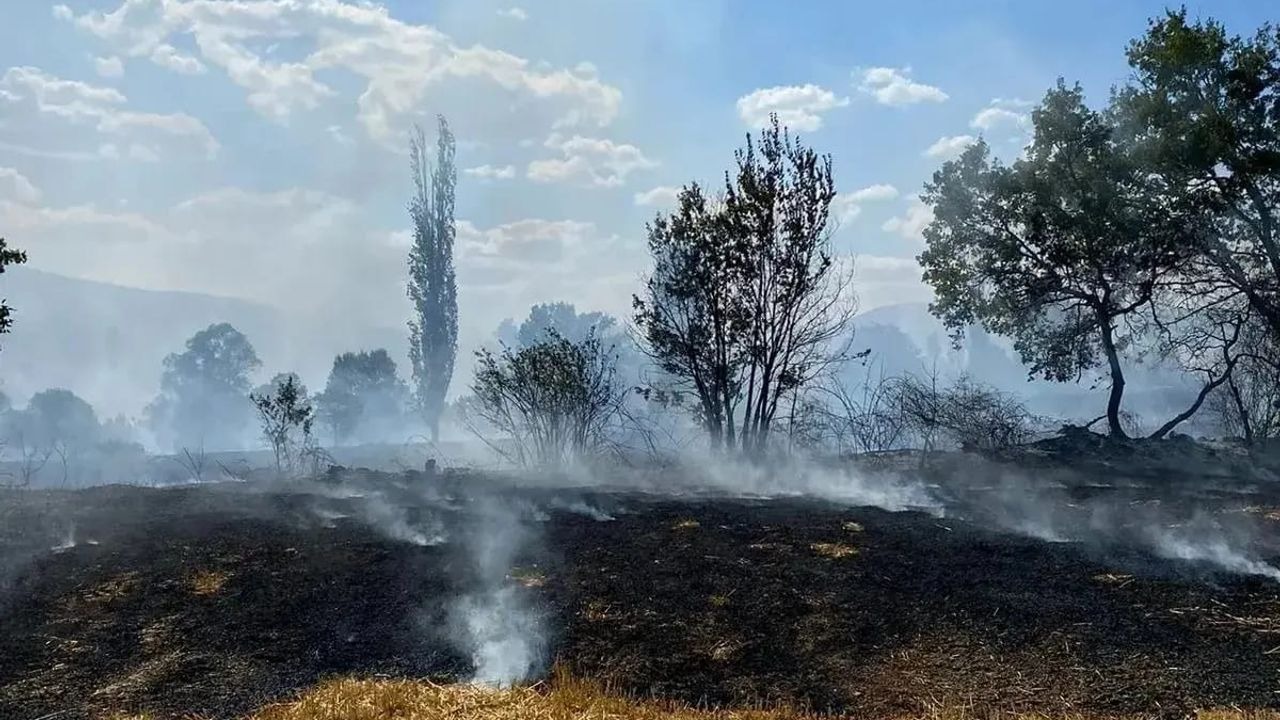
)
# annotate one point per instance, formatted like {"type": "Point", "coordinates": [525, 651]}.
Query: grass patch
{"type": "Point", "coordinates": [209, 582]}
{"type": "Point", "coordinates": [564, 699]}
{"type": "Point", "coordinates": [567, 698]}
{"type": "Point", "coordinates": [529, 577]}
{"type": "Point", "coordinates": [835, 551]}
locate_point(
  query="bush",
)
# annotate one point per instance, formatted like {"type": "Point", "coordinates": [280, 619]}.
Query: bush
{"type": "Point", "coordinates": [555, 400]}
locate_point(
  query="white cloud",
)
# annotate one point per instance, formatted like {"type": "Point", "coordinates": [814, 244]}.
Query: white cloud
{"type": "Point", "coordinates": [521, 243]}
{"type": "Point", "coordinates": [108, 67]}
{"type": "Point", "coordinates": [662, 196]}
{"type": "Point", "coordinates": [946, 148]}
{"type": "Point", "coordinates": [911, 225]}
{"type": "Point", "coordinates": [514, 13]}
{"type": "Point", "coordinates": [848, 206]}
{"type": "Point", "coordinates": [893, 86]}
{"type": "Point", "coordinates": [799, 107]}
{"type": "Point", "coordinates": [38, 99]}
{"type": "Point", "coordinates": [588, 161]}
{"type": "Point", "coordinates": [167, 56]}
{"type": "Point", "coordinates": [407, 70]}
{"type": "Point", "coordinates": [491, 172]}
{"type": "Point", "coordinates": [15, 186]}
{"type": "Point", "coordinates": [887, 280]}
{"type": "Point", "coordinates": [992, 117]}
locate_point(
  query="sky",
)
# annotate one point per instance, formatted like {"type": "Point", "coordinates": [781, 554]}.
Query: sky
{"type": "Point", "coordinates": [258, 148]}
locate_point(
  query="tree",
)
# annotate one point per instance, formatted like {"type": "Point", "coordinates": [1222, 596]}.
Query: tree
{"type": "Point", "coordinates": [8, 256]}
{"type": "Point", "coordinates": [203, 391]}
{"type": "Point", "coordinates": [363, 393]}
{"type": "Point", "coordinates": [555, 401]}
{"type": "Point", "coordinates": [433, 333]}
{"type": "Point", "coordinates": [1203, 113]}
{"type": "Point", "coordinates": [55, 422]}
{"type": "Point", "coordinates": [745, 305]}
{"type": "Point", "coordinates": [286, 417]}
{"type": "Point", "coordinates": [1061, 250]}
{"type": "Point", "coordinates": [59, 415]}
{"type": "Point", "coordinates": [691, 320]}
{"type": "Point", "coordinates": [798, 303]}
{"type": "Point", "coordinates": [562, 318]}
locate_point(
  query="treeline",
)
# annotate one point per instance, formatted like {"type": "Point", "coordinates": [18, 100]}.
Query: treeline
{"type": "Point", "coordinates": [1141, 231]}
{"type": "Point", "coordinates": [1146, 229]}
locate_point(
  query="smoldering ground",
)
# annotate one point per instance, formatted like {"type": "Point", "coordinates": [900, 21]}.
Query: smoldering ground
{"type": "Point", "coordinates": [492, 578]}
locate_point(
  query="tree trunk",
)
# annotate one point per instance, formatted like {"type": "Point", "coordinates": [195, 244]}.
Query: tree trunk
{"type": "Point", "coordinates": [1245, 424]}
{"type": "Point", "coordinates": [1117, 379]}
{"type": "Point", "coordinates": [1195, 407]}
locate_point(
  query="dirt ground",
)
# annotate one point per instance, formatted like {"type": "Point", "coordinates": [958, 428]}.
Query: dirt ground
{"type": "Point", "coordinates": [217, 599]}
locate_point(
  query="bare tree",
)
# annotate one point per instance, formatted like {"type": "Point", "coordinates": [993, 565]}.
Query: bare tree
{"type": "Point", "coordinates": [31, 460]}
{"type": "Point", "coordinates": [1248, 403]}
{"type": "Point", "coordinates": [193, 462]}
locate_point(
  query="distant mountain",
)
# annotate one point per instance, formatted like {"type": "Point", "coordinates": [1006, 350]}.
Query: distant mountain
{"type": "Point", "coordinates": [106, 342]}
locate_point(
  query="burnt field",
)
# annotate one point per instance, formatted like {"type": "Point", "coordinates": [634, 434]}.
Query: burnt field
{"type": "Point", "coordinates": [977, 589]}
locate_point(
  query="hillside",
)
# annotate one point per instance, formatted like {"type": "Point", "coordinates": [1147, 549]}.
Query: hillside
{"type": "Point", "coordinates": [106, 342]}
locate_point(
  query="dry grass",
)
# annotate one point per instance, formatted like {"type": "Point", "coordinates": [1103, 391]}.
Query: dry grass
{"type": "Point", "coordinates": [530, 577]}
{"type": "Point", "coordinates": [835, 551]}
{"type": "Point", "coordinates": [347, 699]}
{"type": "Point", "coordinates": [686, 524]}
{"type": "Point", "coordinates": [565, 698]}
{"type": "Point", "coordinates": [1113, 578]}
{"type": "Point", "coordinates": [209, 582]}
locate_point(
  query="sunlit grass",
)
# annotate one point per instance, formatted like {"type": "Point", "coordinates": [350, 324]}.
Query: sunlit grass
{"type": "Point", "coordinates": [835, 551]}
{"type": "Point", "coordinates": [564, 699]}
{"type": "Point", "coordinates": [209, 582]}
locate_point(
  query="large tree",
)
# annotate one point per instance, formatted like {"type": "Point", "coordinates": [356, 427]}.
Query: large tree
{"type": "Point", "coordinates": [433, 331]}
{"type": "Point", "coordinates": [1060, 250]}
{"type": "Point", "coordinates": [8, 256]}
{"type": "Point", "coordinates": [364, 396]}
{"type": "Point", "coordinates": [690, 319]}
{"type": "Point", "coordinates": [204, 391]}
{"type": "Point", "coordinates": [1203, 112]}
{"type": "Point", "coordinates": [746, 304]}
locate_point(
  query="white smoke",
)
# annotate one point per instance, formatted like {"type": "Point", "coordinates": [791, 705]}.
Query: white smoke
{"type": "Point", "coordinates": [497, 621]}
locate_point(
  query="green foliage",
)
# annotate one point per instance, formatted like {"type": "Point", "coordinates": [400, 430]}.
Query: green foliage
{"type": "Point", "coordinates": [1060, 250]}
{"type": "Point", "coordinates": [1203, 113]}
{"type": "Point", "coordinates": [8, 256]}
{"type": "Point", "coordinates": [202, 401]}
{"type": "Point", "coordinates": [286, 416]}
{"type": "Point", "coordinates": [745, 302]}
{"type": "Point", "coordinates": [433, 332]}
{"type": "Point", "coordinates": [555, 400]}
{"type": "Point", "coordinates": [59, 415]}
{"type": "Point", "coordinates": [363, 393]}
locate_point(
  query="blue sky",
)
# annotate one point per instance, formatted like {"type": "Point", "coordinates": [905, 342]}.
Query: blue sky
{"type": "Point", "coordinates": [255, 148]}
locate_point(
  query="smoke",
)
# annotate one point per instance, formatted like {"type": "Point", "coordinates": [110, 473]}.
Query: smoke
{"type": "Point", "coordinates": [1205, 540]}
{"type": "Point", "coordinates": [1159, 518]}
{"type": "Point", "coordinates": [497, 621]}
{"type": "Point", "coordinates": [393, 520]}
